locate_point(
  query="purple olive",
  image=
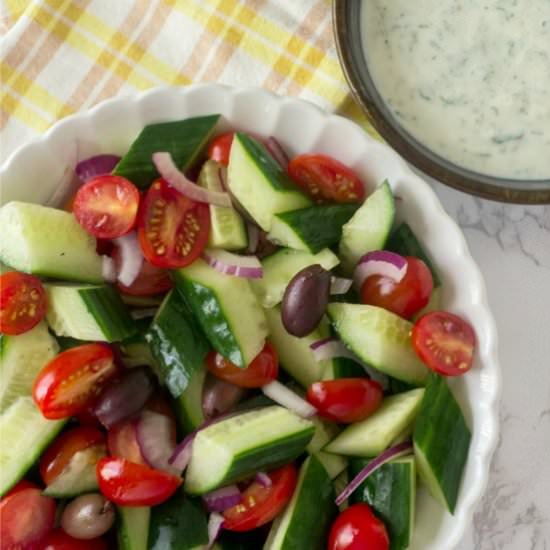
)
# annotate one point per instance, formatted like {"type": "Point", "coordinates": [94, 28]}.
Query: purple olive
{"type": "Point", "coordinates": [305, 300]}
{"type": "Point", "coordinates": [88, 516]}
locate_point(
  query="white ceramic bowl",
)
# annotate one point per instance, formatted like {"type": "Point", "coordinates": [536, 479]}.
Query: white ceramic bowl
{"type": "Point", "coordinates": [37, 172]}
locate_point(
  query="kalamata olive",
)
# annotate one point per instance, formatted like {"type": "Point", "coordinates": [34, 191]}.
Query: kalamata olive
{"type": "Point", "coordinates": [88, 516]}
{"type": "Point", "coordinates": [305, 300]}
{"type": "Point", "coordinates": [218, 396]}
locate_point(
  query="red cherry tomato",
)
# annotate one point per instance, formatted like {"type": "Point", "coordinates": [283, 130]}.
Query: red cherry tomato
{"type": "Point", "coordinates": [263, 369]}
{"type": "Point", "coordinates": [357, 528]}
{"type": "Point", "coordinates": [59, 540]}
{"type": "Point", "coordinates": [22, 302]}
{"type": "Point", "coordinates": [220, 147]}
{"type": "Point", "coordinates": [58, 455]}
{"type": "Point", "coordinates": [445, 342]}
{"type": "Point", "coordinates": [173, 230]}
{"type": "Point", "coordinates": [107, 206]}
{"type": "Point", "coordinates": [72, 380]}
{"type": "Point", "coordinates": [23, 484]}
{"type": "Point", "coordinates": [129, 484]}
{"type": "Point", "coordinates": [345, 400]}
{"type": "Point", "coordinates": [325, 179]}
{"type": "Point", "coordinates": [26, 516]}
{"type": "Point", "coordinates": [122, 442]}
{"type": "Point", "coordinates": [404, 298]}
{"type": "Point", "coordinates": [260, 504]}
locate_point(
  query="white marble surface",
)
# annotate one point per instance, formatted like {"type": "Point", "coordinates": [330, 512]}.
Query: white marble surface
{"type": "Point", "coordinates": [511, 245]}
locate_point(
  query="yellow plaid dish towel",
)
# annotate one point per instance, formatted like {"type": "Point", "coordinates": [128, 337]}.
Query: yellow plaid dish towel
{"type": "Point", "coordinates": [63, 56]}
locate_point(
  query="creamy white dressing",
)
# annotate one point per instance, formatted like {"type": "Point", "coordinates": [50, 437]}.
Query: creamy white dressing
{"type": "Point", "coordinates": [470, 79]}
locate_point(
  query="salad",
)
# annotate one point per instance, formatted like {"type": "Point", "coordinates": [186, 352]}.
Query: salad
{"type": "Point", "coordinates": [213, 345]}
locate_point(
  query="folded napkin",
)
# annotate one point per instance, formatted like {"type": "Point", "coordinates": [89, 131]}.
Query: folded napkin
{"type": "Point", "coordinates": [63, 56]}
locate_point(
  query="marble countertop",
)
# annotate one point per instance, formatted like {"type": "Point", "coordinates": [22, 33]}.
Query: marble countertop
{"type": "Point", "coordinates": [511, 245]}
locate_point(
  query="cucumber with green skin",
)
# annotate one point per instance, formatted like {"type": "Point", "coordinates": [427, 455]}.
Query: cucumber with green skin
{"type": "Point", "coordinates": [325, 432]}
{"type": "Point", "coordinates": [133, 527]}
{"type": "Point", "coordinates": [188, 406]}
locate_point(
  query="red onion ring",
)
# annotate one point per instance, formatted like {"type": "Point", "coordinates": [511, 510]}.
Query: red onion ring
{"type": "Point", "coordinates": [380, 262]}
{"type": "Point", "coordinates": [131, 258]}
{"type": "Point", "coordinates": [97, 165]}
{"type": "Point", "coordinates": [222, 499]}
{"type": "Point", "coordinates": [288, 399]}
{"type": "Point", "coordinates": [248, 267]}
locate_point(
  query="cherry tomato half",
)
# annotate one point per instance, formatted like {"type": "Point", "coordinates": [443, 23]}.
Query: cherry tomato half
{"type": "Point", "coordinates": [445, 342]}
{"type": "Point", "coordinates": [107, 206]}
{"type": "Point", "coordinates": [57, 539]}
{"type": "Point", "coordinates": [357, 528]}
{"type": "Point", "coordinates": [345, 400]}
{"type": "Point", "coordinates": [404, 298]}
{"type": "Point", "coordinates": [173, 230]}
{"type": "Point", "coordinates": [72, 380]}
{"type": "Point", "coordinates": [23, 484]}
{"type": "Point", "coordinates": [122, 442]}
{"type": "Point", "coordinates": [261, 504]}
{"type": "Point", "coordinates": [263, 369]}
{"type": "Point", "coordinates": [220, 147]}
{"type": "Point", "coordinates": [58, 455]}
{"type": "Point", "coordinates": [22, 302]}
{"type": "Point", "coordinates": [129, 484]}
{"type": "Point", "coordinates": [325, 179]}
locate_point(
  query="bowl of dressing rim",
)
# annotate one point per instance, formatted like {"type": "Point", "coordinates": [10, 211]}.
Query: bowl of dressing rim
{"type": "Point", "coordinates": [347, 21]}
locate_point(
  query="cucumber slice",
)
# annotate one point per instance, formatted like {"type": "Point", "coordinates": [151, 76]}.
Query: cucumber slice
{"type": "Point", "coordinates": [79, 476]}
{"type": "Point", "coordinates": [343, 367]}
{"type": "Point", "coordinates": [227, 229]}
{"type": "Point", "coordinates": [391, 492]}
{"type": "Point", "coordinates": [379, 338]}
{"type": "Point", "coordinates": [259, 183]}
{"type": "Point", "coordinates": [279, 268]}
{"type": "Point", "coordinates": [133, 527]}
{"type": "Point", "coordinates": [311, 229]}
{"type": "Point", "coordinates": [88, 312]}
{"type": "Point", "coordinates": [441, 442]}
{"type": "Point", "coordinates": [21, 359]}
{"type": "Point", "coordinates": [227, 310]}
{"type": "Point", "coordinates": [47, 242]}
{"type": "Point", "coordinates": [373, 435]}
{"type": "Point", "coordinates": [235, 448]}
{"type": "Point", "coordinates": [177, 343]}
{"type": "Point", "coordinates": [306, 520]}
{"type": "Point", "coordinates": [369, 227]}
{"type": "Point", "coordinates": [25, 433]}
{"type": "Point", "coordinates": [325, 432]}
{"type": "Point", "coordinates": [183, 139]}
{"type": "Point", "coordinates": [188, 405]}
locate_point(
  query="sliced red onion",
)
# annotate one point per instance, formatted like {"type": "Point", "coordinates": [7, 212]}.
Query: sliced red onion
{"type": "Point", "coordinates": [399, 450]}
{"type": "Point", "coordinates": [287, 398]}
{"type": "Point", "coordinates": [182, 453]}
{"type": "Point", "coordinates": [215, 525]}
{"type": "Point", "coordinates": [219, 396]}
{"type": "Point", "coordinates": [222, 499]}
{"type": "Point", "coordinates": [131, 258]}
{"type": "Point", "coordinates": [338, 285]}
{"type": "Point", "coordinates": [155, 439]}
{"type": "Point", "coordinates": [277, 152]}
{"type": "Point", "coordinates": [380, 262]}
{"type": "Point", "coordinates": [253, 233]}
{"type": "Point", "coordinates": [169, 171]}
{"type": "Point", "coordinates": [263, 479]}
{"type": "Point", "coordinates": [144, 313]}
{"type": "Point", "coordinates": [236, 265]}
{"type": "Point", "coordinates": [108, 269]}
{"type": "Point", "coordinates": [96, 166]}
{"type": "Point", "coordinates": [329, 348]}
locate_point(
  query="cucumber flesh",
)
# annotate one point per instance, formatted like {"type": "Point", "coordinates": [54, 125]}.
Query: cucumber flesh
{"type": "Point", "coordinates": [188, 405]}
{"type": "Point", "coordinates": [325, 432]}
{"type": "Point", "coordinates": [47, 242]}
{"type": "Point", "coordinates": [373, 435]}
{"type": "Point", "coordinates": [133, 527]}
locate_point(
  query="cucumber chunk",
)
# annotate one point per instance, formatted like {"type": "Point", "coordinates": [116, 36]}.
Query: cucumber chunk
{"type": "Point", "coordinates": [88, 312]}
{"type": "Point", "coordinates": [391, 492]}
{"type": "Point", "coordinates": [236, 447]}
{"type": "Point", "coordinates": [25, 433]}
{"type": "Point", "coordinates": [325, 432]}
{"type": "Point", "coordinates": [373, 435]}
{"type": "Point", "coordinates": [48, 242]}
{"type": "Point", "coordinates": [369, 227]}
{"type": "Point", "coordinates": [379, 338]}
{"type": "Point", "coordinates": [259, 183]}
{"type": "Point", "coordinates": [343, 367]}
{"type": "Point", "coordinates": [133, 527]}
{"type": "Point", "coordinates": [227, 229]}
{"type": "Point", "coordinates": [21, 359]}
{"type": "Point", "coordinates": [441, 441]}
{"type": "Point", "coordinates": [188, 405]}
{"type": "Point", "coordinates": [279, 268]}
{"type": "Point", "coordinates": [311, 229]}
{"type": "Point", "coordinates": [306, 520]}
{"type": "Point", "coordinates": [183, 139]}
{"type": "Point", "coordinates": [227, 310]}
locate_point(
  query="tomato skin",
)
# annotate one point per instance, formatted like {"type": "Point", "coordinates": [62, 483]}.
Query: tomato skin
{"type": "Point", "coordinates": [445, 342]}
{"type": "Point", "coordinates": [57, 539]}
{"type": "Point", "coordinates": [260, 504]}
{"type": "Point", "coordinates": [172, 229]}
{"type": "Point", "coordinates": [72, 380]}
{"type": "Point", "coordinates": [263, 369]}
{"type": "Point", "coordinates": [325, 179]}
{"type": "Point", "coordinates": [58, 455]}
{"type": "Point", "coordinates": [21, 486]}
{"type": "Point", "coordinates": [404, 298]}
{"type": "Point", "coordinates": [345, 400]}
{"type": "Point", "coordinates": [220, 148]}
{"type": "Point", "coordinates": [22, 302]}
{"type": "Point", "coordinates": [129, 484]}
{"type": "Point", "coordinates": [122, 442]}
{"type": "Point", "coordinates": [106, 206]}
{"type": "Point", "coordinates": [357, 528]}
